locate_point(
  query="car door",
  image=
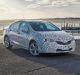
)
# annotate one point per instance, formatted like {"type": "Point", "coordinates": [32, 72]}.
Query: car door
{"type": "Point", "coordinates": [23, 35]}
{"type": "Point", "coordinates": [13, 34]}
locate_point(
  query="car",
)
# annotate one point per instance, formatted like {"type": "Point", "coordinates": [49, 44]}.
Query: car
{"type": "Point", "coordinates": [38, 37]}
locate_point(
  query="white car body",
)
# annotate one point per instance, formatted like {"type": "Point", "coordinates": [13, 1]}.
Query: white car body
{"type": "Point", "coordinates": [47, 41]}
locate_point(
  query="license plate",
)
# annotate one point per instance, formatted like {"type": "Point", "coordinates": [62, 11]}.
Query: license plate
{"type": "Point", "coordinates": [65, 47]}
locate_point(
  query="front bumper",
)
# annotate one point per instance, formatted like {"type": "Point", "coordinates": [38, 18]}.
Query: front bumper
{"type": "Point", "coordinates": [53, 47]}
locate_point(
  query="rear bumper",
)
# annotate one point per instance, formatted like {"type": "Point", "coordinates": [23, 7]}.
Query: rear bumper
{"type": "Point", "coordinates": [56, 48]}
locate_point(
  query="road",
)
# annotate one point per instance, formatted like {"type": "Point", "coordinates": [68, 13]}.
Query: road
{"type": "Point", "coordinates": [19, 62]}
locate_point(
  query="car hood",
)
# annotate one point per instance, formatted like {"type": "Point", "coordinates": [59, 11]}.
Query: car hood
{"type": "Point", "coordinates": [57, 35]}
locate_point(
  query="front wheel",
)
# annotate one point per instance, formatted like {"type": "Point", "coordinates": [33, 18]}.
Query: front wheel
{"type": "Point", "coordinates": [33, 48]}
{"type": "Point", "coordinates": [7, 42]}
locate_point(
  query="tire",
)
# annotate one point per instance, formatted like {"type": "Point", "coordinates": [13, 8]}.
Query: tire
{"type": "Point", "coordinates": [33, 49]}
{"type": "Point", "coordinates": [7, 42]}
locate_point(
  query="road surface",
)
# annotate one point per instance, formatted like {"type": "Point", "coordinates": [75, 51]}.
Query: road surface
{"type": "Point", "coordinates": [19, 62]}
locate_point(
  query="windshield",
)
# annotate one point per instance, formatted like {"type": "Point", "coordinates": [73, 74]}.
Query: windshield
{"type": "Point", "coordinates": [40, 26]}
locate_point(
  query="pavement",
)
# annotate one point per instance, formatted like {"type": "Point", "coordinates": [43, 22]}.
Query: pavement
{"type": "Point", "coordinates": [19, 62]}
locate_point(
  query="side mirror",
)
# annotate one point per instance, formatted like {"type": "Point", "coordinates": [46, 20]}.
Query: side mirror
{"type": "Point", "coordinates": [25, 30]}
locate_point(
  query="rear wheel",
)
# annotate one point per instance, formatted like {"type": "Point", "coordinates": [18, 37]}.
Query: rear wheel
{"type": "Point", "coordinates": [33, 48]}
{"type": "Point", "coordinates": [7, 42]}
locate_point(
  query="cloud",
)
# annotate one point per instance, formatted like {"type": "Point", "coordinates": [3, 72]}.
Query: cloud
{"type": "Point", "coordinates": [33, 6]}
{"type": "Point", "coordinates": [29, 0]}
{"type": "Point", "coordinates": [38, 8]}
{"type": "Point", "coordinates": [52, 3]}
{"type": "Point", "coordinates": [43, 2]}
{"type": "Point", "coordinates": [60, 3]}
{"type": "Point", "coordinates": [24, 4]}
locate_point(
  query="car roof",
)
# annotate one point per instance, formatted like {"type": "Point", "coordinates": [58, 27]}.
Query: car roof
{"type": "Point", "coordinates": [33, 20]}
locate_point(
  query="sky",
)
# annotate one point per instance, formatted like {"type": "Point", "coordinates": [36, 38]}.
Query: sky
{"type": "Point", "coordinates": [33, 9]}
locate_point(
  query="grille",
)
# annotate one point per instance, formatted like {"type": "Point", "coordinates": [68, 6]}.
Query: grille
{"type": "Point", "coordinates": [64, 50]}
{"type": "Point", "coordinates": [62, 43]}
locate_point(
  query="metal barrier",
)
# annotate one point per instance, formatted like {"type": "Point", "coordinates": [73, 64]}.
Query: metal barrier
{"type": "Point", "coordinates": [73, 29]}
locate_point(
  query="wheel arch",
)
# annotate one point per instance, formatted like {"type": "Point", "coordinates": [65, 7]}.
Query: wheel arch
{"type": "Point", "coordinates": [10, 45]}
{"type": "Point", "coordinates": [5, 36]}
{"type": "Point", "coordinates": [32, 40]}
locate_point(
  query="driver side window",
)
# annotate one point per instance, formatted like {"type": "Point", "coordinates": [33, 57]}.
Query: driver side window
{"type": "Point", "coordinates": [23, 27]}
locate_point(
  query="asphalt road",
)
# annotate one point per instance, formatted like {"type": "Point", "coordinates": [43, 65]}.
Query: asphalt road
{"type": "Point", "coordinates": [20, 62]}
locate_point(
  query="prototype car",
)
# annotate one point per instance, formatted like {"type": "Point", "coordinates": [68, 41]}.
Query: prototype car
{"type": "Point", "coordinates": [38, 37]}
